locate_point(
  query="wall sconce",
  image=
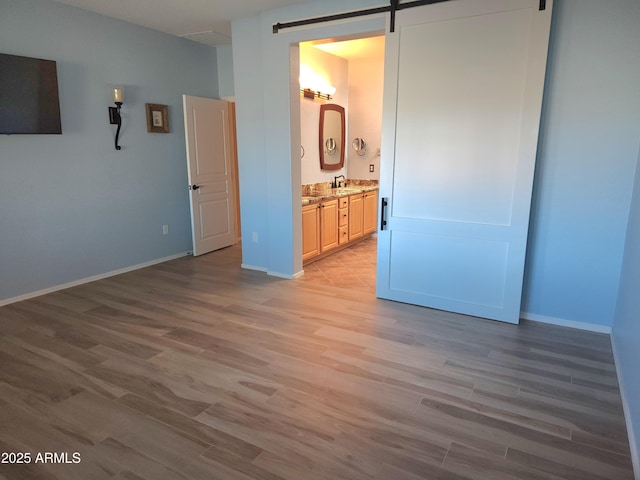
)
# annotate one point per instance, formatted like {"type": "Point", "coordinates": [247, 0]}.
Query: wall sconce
{"type": "Point", "coordinates": [114, 112]}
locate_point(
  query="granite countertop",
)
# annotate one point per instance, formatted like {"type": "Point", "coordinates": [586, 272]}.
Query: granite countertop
{"type": "Point", "coordinates": [331, 193]}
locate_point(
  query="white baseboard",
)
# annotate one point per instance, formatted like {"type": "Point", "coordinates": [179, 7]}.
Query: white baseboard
{"type": "Point", "coordinates": [286, 276]}
{"type": "Point", "coordinates": [561, 322]}
{"type": "Point", "coordinates": [633, 445]}
{"type": "Point", "coordinates": [93, 278]}
{"type": "Point", "coordinates": [253, 267]}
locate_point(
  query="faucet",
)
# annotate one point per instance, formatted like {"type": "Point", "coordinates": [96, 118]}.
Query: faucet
{"type": "Point", "coordinates": [335, 183]}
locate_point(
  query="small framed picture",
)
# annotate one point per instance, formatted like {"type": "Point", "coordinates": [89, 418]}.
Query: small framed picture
{"type": "Point", "coordinates": [157, 118]}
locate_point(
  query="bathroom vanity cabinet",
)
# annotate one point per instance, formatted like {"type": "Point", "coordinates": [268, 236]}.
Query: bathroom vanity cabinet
{"type": "Point", "coordinates": [355, 216]}
{"type": "Point", "coordinates": [320, 228]}
{"type": "Point", "coordinates": [336, 220]}
{"type": "Point", "coordinates": [370, 212]}
{"type": "Point", "coordinates": [343, 220]}
{"type": "Point", "coordinates": [328, 225]}
{"type": "Point", "coordinates": [310, 231]}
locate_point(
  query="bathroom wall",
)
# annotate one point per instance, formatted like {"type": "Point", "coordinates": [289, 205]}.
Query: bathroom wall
{"type": "Point", "coordinates": [366, 80]}
{"type": "Point", "coordinates": [336, 71]}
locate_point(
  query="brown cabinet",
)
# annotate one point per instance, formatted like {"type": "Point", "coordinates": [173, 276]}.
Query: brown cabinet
{"type": "Point", "coordinates": [319, 228]}
{"type": "Point", "coordinates": [328, 225]}
{"type": "Point", "coordinates": [343, 220]}
{"type": "Point", "coordinates": [343, 233]}
{"type": "Point", "coordinates": [370, 212]}
{"type": "Point", "coordinates": [355, 216]}
{"type": "Point", "coordinates": [310, 231]}
{"type": "Point", "coordinates": [332, 223]}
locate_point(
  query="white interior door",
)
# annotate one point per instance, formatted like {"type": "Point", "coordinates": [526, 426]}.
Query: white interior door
{"type": "Point", "coordinates": [210, 173]}
{"type": "Point", "coordinates": [463, 94]}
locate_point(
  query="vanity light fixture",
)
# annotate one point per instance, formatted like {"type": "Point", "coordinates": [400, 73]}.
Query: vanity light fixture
{"type": "Point", "coordinates": [311, 94]}
{"type": "Point", "coordinates": [114, 112]}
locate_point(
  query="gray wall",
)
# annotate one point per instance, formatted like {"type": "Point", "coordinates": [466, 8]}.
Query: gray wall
{"type": "Point", "coordinates": [71, 206]}
{"type": "Point", "coordinates": [626, 327]}
{"type": "Point", "coordinates": [225, 71]}
{"type": "Point", "coordinates": [586, 161]}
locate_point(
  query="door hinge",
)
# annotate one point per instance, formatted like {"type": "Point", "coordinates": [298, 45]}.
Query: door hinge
{"type": "Point", "coordinates": [543, 5]}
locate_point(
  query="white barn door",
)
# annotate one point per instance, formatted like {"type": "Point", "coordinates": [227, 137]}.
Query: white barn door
{"type": "Point", "coordinates": [462, 101]}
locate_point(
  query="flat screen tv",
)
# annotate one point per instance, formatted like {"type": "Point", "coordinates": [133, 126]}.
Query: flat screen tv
{"type": "Point", "coordinates": [29, 100]}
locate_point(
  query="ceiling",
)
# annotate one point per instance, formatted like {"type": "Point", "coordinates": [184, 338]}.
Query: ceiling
{"type": "Point", "coordinates": [204, 21]}
{"type": "Point", "coordinates": [358, 49]}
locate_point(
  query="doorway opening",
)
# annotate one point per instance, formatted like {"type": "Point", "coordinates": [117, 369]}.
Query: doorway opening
{"type": "Point", "coordinates": [341, 251]}
{"type": "Point", "coordinates": [212, 172]}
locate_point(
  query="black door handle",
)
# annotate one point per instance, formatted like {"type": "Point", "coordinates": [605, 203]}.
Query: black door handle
{"type": "Point", "coordinates": [383, 214]}
{"type": "Point", "coordinates": [195, 187]}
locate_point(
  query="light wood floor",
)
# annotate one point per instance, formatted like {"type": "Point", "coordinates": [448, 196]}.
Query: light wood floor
{"type": "Point", "coordinates": [196, 369]}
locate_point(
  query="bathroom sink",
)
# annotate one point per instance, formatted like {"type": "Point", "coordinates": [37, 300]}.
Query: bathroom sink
{"type": "Point", "coordinates": [314, 195]}
{"type": "Point", "coordinates": [347, 190]}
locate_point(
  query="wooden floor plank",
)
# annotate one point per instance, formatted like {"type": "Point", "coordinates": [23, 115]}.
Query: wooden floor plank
{"type": "Point", "coordinates": [196, 369]}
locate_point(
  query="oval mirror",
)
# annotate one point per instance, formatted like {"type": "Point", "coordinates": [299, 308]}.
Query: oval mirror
{"type": "Point", "coordinates": [332, 137]}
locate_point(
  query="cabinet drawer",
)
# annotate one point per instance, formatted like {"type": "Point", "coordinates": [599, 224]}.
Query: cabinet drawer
{"type": "Point", "coordinates": [343, 217]}
{"type": "Point", "coordinates": [343, 202]}
{"type": "Point", "coordinates": [343, 235]}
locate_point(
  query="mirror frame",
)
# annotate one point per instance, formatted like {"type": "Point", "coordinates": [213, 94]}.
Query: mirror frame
{"type": "Point", "coordinates": [337, 108]}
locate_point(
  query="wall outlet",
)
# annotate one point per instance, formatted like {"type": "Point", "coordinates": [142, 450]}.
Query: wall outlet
{"type": "Point", "coordinates": [371, 168]}
{"type": "Point", "coordinates": [254, 237]}
{"type": "Point", "coordinates": [378, 152]}
{"type": "Point", "coordinates": [165, 229]}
